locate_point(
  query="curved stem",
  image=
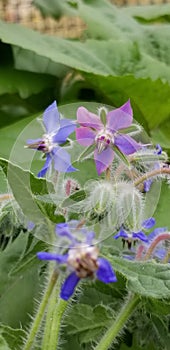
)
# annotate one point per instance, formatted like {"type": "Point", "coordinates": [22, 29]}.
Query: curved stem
{"type": "Point", "coordinates": [151, 174]}
{"type": "Point", "coordinates": [119, 323]}
{"type": "Point", "coordinates": [139, 252]}
{"type": "Point", "coordinates": [162, 237]}
{"type": "Point", "coordinates": [40, 312]}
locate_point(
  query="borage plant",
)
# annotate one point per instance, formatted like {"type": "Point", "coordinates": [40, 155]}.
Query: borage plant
{"type": "Point", "coordinates": [108, 271]}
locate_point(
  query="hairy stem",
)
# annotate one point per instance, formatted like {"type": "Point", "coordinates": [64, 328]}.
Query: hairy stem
{"type": "Point", "coordinates": [41, 310]}
{"type": "Point", "coordinates": [56, 308]}
{"type": "Point", "coordinates": [139, 252]}
{"type": "Point", "coordinates": [161, 237]}
{"type": "Point", "coordinates": [152, 173]}
{"type": "Point", "coordinates": [119, 322]}
{"type": "Point", "coordinates": [56, 324]}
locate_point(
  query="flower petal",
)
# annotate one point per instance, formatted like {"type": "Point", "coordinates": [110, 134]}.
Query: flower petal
{"type": "Point", "coordinates": [103, 160]}
{"type": "Point", "coordinates": [149, 223]}
{"type": "Point", "coordinates": [126, 144]}
{"type": "Point", "coordinates": [122, 234]}
{"type": "Point", "coordinates": [105, 272]}
{"type": "Point", "coordinates": [51, 118]}
{"type": "Point", "coordinates": [120, 118]}
{"type": "Point", "coordinates": [85, 136]}
{"type": "Point", "coordinates": [33, 141]}
{"type": "Point", "coordinates": [63, 230]}
{"type": "Point", "coordinates": [46, 166]}
{"type": "Point", "coordinates": [86, 118]}
{"type": "Point", "coordinates": [147, 185]}
{"type": "Point", "coordinates": [61, 259]}
{"type": "Point", "coordinates": [68, 286]}
{"type": "Point", "coordinates": [89, 237]}
{"type": "Point", "coordinates": [66, 128]}
{"type": "Point", "coordinates": [62, 160]}
{"type": "Point", "coordinates": [158, 149]}
{"type": "Point", "coordinates": [140, 235]}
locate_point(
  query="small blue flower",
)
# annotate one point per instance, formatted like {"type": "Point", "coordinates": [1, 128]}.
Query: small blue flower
{"type": "Point", "coordinates": [81, 259]}
{"type": "Point", "coordinates": [135, 236]}
{"type": "Point", "coordinates": [57, 131]}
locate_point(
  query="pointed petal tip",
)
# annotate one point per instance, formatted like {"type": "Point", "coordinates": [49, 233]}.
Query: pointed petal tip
{"type": "Point", "coordinates": [68, 286]}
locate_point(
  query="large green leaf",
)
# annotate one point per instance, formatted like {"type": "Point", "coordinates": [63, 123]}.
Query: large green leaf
{"type": "Point", "coordinates": [152, 107]}
{"type": "Point", "coordinates": [23, 83]}
{"type": "Point", "coordinates": [149, 279]}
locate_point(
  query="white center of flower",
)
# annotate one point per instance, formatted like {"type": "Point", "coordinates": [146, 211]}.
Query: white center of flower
{"type": "Point", "coordinates": [48, 143]}
{"type": "Point", "coordinates": [83, 260]}
{"type": "Point", "coordinates": [103, 140]}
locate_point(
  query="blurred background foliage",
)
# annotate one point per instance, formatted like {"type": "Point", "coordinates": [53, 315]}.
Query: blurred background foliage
{"type": "Point", "coordinates": [84, 50]}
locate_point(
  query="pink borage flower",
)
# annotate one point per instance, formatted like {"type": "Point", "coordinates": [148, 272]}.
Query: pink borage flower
{"type": "Point", "coordinates": [106, 134]}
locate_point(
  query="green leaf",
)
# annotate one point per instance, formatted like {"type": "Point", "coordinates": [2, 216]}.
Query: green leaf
{"type": "Point", "coordinates": [149, 279]}
{"type": "Point", "coordinates": [79, 56]}
{"type": "Point", "coordinates": [87, 322]}
{"type": "Point", "coordinates": [18, 290]}
{"type": "Point", "coordinates": [12, 336]}
{"type": "Point", "coordinates": [161, 216]}
{"type": "Point", "coordinates": [30, 61]}
{"type": "Point", "coordinates": [157, 307]}
{"type": "Point", "coordinates": [150, 109]}
{"type": "Point", "coordinates": [149, 12]}
{"type": "Point", "coordinates": [75, 197]}
{"type": "Point", "coordinates": [25, 186]}
{"type": "Point", "coordinates": [3, 344]}
{"type": "Point", "coordinates": [53, 8]}
{"type": "Point", "coordinates": [23, 83]}
{"type": "Point", "coordinates": [161, 134]}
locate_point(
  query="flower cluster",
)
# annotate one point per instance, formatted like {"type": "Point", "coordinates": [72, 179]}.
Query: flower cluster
{"type": "Point", "coordinates": [108, 136]}
{"type": "Point", "coordinates": [82, 259]}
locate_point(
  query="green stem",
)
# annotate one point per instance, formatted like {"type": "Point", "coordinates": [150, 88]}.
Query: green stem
{"type": "Point", "coordinates": [40, 312]}
{"type": "Point", "coordinates": [53, 317]}
{"type": "Point", "coordinates": [119, 323]}
{"type": "Point", "coordinates": [48, 320]}
{"type": "Point", "coordinates": [56, 324]}
{"type": "Point", "coordinates": [152, 173]}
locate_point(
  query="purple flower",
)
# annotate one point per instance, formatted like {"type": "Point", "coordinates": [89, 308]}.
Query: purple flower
{"type": "Point", "coordinates": [81, 259]}
{"type": "Point", "coordinates": [57, 131]}
{"type": "Point", "coordinates": [131, 237]}
{"type": "Point", "coordinates": [106, 135]}
{"type": "Point", "coordinates": [147, 183]}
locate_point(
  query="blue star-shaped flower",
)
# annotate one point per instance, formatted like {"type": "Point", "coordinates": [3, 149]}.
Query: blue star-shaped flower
{"type": "Point", "coordinates": [134, 236]}
{"type": "Point", "coordinates": [81, 259]}
{"type": "Point", "coordinates": [57, 131]}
